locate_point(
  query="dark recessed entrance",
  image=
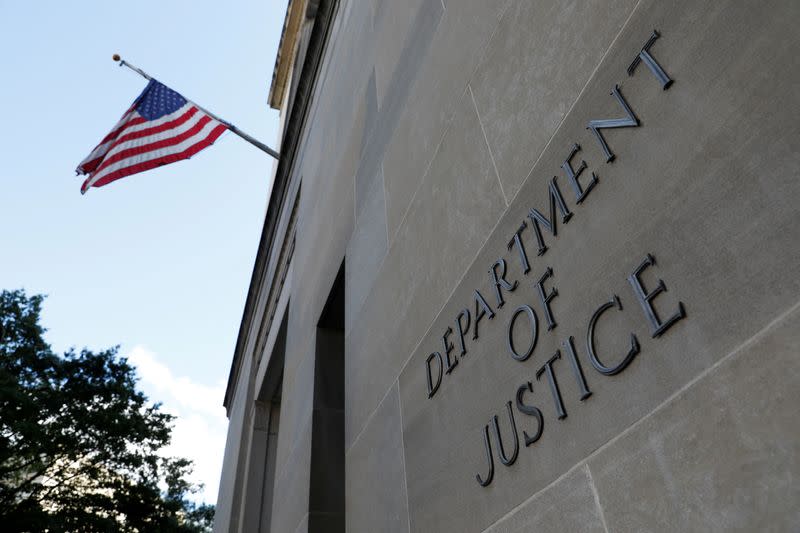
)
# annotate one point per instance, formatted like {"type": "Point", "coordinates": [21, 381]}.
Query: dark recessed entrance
{"type": "Point", "coordinates": [326, 501]}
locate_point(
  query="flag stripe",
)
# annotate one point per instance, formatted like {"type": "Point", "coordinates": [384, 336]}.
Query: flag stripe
{"type": "Point", "coordinates": [101, 149]}
{"type": "Point", "coordinates": [154, 142]}
{"type": "Point", "coordinates": [137, 133]}
{"type": "Point", "coordinates": [144, 123]}
{"type": "Point", "coordinates": [155, 154]}
{"type": "Point", "coordinates": [212, 136]}
{"type": "Point", "coordinates": [135, 123]}
{"type": "Point", "coordinates": [122, 121]}
{"type": "Point", "coordinates": [141, 141]}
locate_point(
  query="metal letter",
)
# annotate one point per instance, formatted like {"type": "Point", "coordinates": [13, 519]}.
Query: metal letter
{"type": "Point", "coordinates": [462, 328]}
{"type": "Point", "coordinates": [501, 452]}
{"type": "Point", "coordinates": [634, 349]}
{"type": "Point", "coordinates": [645, 299]}
{"type": "Point", "coordinates": [488, 447]}
{"type": "Point", "coordinates": [645, 57]}
{"type": "Point", "coordinates": [431, 387]}
{"type": "Point", "coordinates": [537, 218]}
{"type": "Point", "coordinates": [501, 281]}
{"type": "Point", "coordinates": [516, 240]}
{"type": "Point", "coordinates": [551, 380]}
{"type": "Point", "coordinates": [597, 125]}
{"type": "Point", "coordinates": [481, 308]}
{"type": "Point", "coordinates": [573, 175]}
{"type": "Point", "coordinates": [534, 332]}
{"type": "Point", "coordinates": [577, 371]}
{"type": "Point", "coordinates": [548, 314]}
{"type": "Point", "coordinates": [448, 347]}
{"type": "Point", "coordinates": [531, 411]}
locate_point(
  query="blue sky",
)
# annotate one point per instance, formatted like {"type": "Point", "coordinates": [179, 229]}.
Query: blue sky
{"type": "Point", "coordinates": [158, 262]}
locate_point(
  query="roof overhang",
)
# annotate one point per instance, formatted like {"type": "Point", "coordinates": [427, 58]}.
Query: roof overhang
{"type": "Point", "coordinates": [285, 57]}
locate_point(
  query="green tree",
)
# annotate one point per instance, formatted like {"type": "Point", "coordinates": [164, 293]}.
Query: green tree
{"type": "Point", "coordinates": [79, 444]}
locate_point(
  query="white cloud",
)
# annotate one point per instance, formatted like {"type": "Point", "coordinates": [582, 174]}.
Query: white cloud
{"type": "Point", "coordinates": [200, 426]}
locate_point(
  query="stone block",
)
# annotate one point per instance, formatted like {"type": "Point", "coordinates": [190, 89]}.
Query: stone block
{"type": "Point", "coordinates": [455, 209]}
{"type": "Point", "coordinates": [302, 527]}
{"type": "Point", "coordinates": [706, 185]}
{"type": "Point", "coordinates": [723, 455]}
{"type": "Point", "coordinates": [375, 485]}
{"type": "Point", "coordinates": [461, 35]}
{"type": "Point", "coordinates": [297, 404]}
{"type": "Point", "coordinates": [364, 181]}
{"type": "Point", "coordinates": [567, 505]}
{"type": "Point", "coordinates": [413, 53]}
{"type": "Point", "coordinates": [396, 30]}
{"type": "Point", "coordinates": [538, 61]}
{"type": "Point", "coordinates": [227, 499]}
{"type": "Point", "coordinates": [365, 251]}
{"type": "Point", "coordinates": [290, 502]}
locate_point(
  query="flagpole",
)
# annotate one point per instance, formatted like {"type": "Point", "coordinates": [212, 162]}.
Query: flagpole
{"type": "Point", "coordinates": [255, 142]}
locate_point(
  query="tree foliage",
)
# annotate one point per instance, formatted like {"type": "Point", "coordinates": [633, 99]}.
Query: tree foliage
{"type": "Point", "coordinates": [79, 444]}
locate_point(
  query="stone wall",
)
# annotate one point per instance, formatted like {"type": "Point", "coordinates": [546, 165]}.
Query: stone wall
{"type": "Point", "coordinates": [471, 109]}
{"type": "Point", "coordinates": [435, 130]}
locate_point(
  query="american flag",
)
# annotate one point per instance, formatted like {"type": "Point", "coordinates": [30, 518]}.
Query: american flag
{"type": "Point", "coordinates": [161, 127]}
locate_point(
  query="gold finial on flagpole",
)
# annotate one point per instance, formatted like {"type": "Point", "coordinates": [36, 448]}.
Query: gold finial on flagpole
{"type": "Point", "coordinates": [116, 58]}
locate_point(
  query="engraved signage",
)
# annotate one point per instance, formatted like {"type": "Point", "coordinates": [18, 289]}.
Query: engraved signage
{"type": "Point", "coordinates": [530, 321]}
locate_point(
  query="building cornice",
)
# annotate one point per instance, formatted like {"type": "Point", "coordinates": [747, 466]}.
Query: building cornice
{"type": "Point", "coordinates": [286, 51]}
